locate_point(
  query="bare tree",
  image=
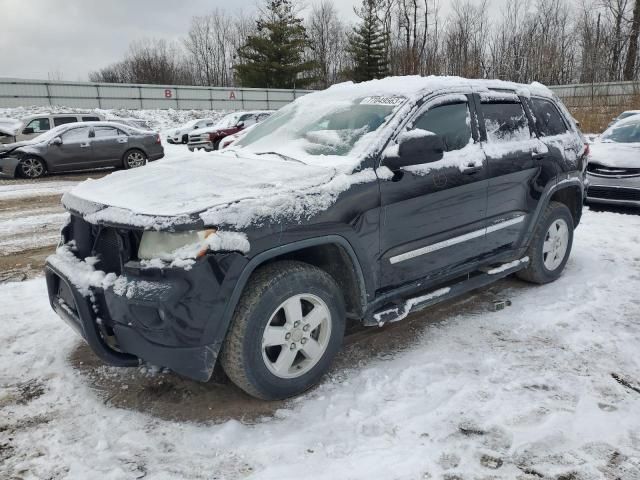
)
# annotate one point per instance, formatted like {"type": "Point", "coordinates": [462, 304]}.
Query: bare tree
{"type": "Point", "coordinates": [327, 39]}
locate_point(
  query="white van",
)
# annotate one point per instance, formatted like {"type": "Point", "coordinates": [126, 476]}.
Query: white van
{"type": "Point", "coordinates": [34, 125]}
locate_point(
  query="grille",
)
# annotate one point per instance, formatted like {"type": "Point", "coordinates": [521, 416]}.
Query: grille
{"type": "Point", "coordinates": [113, 246]}
{"type": "Point", "coordinates": [614, 193]}
{"type": "Point", "coordinates": [603, 171]}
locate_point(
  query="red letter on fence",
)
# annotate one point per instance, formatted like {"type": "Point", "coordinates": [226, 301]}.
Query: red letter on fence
{"type": "Point", "coordinates": [168, 93]}
{"type": "Point", "coordinates": [232, 95]}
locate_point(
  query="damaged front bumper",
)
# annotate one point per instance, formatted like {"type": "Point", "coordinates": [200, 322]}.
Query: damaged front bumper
{"type": "Point", "coordinates": [170, 317]}
{"type": "Point", "coordinates": [9, 167]}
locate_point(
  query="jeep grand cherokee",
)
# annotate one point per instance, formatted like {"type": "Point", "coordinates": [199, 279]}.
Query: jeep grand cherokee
{"type": "Point", "coordinates": [363, 202]}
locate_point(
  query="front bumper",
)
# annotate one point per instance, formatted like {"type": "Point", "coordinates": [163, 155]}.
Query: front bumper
{"type": "Point", "coordinates": [614, 191]}
{"type": "Point", "coordinates": [208, 146]}
{"type": "Point", "coordinates": [169, 317]}
{"type": "Point", "coordinates": [9, 167]}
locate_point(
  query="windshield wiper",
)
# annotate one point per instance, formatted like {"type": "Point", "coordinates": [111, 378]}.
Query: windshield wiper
{"type": "Point", "coordinates": [284, 157]}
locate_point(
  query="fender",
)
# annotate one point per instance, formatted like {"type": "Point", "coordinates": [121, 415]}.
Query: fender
{"type": "Point", "coordinates": [562, 181]}
{"type": "Point", "coordinates": [262, 257]}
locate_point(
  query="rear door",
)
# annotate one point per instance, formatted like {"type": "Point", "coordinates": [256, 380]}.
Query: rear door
{"type": "Point", "coordinates": [108, 145]}
{"type": "Point", "coordinates": [433, 214]}
{"type": "Point", "coordinates": [74, 152]}
{"type": "Point", "coordinates": [516, 160]}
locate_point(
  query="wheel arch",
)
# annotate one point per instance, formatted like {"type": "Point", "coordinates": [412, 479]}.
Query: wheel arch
{"type": "Point", "coordinates": [133, 149]}
{"type": "Point", "coordinates": [571, 196]}
{"type": "Point", "coordinates": [332, 253]}
{"type": "Point", "coordinates": [34, 155]}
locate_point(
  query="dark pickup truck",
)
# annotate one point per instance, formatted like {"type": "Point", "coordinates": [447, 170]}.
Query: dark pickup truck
{"type": "Point", "coordinates": [360, 203]}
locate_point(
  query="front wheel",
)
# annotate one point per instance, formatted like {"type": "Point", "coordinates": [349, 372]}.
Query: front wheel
{"type": "Point", "coordinates": [31, 167]}
{"type": "Point", "coordinates": [134, 159]}
{"type": "Point", "coordinates": [287, 328]}
{"type": "Point", "coordinates": [551, 245]}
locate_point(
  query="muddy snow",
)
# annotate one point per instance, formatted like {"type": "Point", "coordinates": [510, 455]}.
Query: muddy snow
{"type": "Point", "coordinates": [546, 388]}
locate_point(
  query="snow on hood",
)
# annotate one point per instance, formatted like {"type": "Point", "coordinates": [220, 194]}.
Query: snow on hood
{"type": "Point", "coordinates": [10, 126]}
{"type": "Point", "coordinates": [611, 154]}
{"type": "Point", "coordinates": [179, 188]}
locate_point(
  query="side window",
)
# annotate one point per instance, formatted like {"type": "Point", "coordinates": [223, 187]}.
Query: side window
{"type": "Point", "coordinates": [247, 120]}
{"type": "Point", "coordinates": [548, 118]}
{"type": "Point", "coordinates": [76, 135]}
{"type": "Point", "coordinates": [505, 122]}
{"type": "Point", "coordinates": [90, 119]}
{"type": "Point", "coordinates": [452, 122]}
{"type": "Point", "coordinates": [57, 121]}
{"type": "Point", "coordinates": [39, 125]}
{"type": "Point", "coordinates": [106, 132]}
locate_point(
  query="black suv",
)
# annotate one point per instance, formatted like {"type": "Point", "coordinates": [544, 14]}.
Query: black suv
{"type": "Point", "coordinates": [362, 202]}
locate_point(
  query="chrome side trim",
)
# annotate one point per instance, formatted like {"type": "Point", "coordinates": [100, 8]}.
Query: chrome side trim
{"type": "Point", "coordinates": [455, 240]}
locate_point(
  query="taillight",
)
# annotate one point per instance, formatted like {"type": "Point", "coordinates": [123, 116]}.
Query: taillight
{"type": "Point", "coordinates": [587, 150]}
{"type": "Point", "coordinates": [158, 139]}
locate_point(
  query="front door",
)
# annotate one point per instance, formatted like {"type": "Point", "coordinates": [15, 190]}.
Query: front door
{"type": "Point", "coordinates": [433, 214]}
{"type": "Point", "coordinates": [74, 152]}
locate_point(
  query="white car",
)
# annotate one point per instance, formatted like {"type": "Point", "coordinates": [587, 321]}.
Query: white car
{"type": "Point", "coordinates": [181, 134]}
{"type": "Point", "coordinates": [12, 130]}
{"type": "Point", "coordinates": [625, 114]}
{"type": "Point", "coordinates": [613, 170]}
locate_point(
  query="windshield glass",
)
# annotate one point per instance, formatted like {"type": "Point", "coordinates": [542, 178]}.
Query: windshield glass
{"type": "Point", "coordinates": [228, 121]}
{"type": "Point", "coordinates": [51, 134]}
{"type": "Point", "coordinates": [306, 130]}
{"type": "Point", "coordinates": [627, 131]}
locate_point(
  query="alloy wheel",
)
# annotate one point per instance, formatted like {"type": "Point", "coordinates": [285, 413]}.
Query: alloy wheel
{"type": "Point", "coordinates": [296, 336]}
{"type": "Point", "coordinates": [555, 244]}
{"type": "Point", "coordinates": [135, 159]}
{"type": "Point", "coordinates": [32, 167]}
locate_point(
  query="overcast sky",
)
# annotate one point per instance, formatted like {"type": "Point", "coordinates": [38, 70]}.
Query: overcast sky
{"type": "Point", "coordinates": [74, 37]}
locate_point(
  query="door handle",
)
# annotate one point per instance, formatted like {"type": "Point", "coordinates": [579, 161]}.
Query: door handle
{"type": "Point", "coordinates": [122, 140]}
{"type": "Point", "coordinates": [538, 155]}
{"type": "Point", "coordinates": [471, 169]}
{"type": "Point", "coordinates": [85, 145]}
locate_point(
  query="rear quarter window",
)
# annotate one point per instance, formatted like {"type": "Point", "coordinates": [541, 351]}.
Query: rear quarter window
{"type": "Point", "coordinates": [90, 119]}
{"type": "Point", "coordinates": [548, 118]}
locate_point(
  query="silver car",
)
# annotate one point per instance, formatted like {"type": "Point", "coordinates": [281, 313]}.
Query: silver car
{"type": "Point", "coordinates": [80, 146]}
{"type": "Point", "coordinates": [613, 170]}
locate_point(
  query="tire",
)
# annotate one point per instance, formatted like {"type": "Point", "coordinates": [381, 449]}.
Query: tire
{"type": "Point", "coordinates": [134, 158]}
{"type": "Point", "coordinates": [216, 144]}
{"type": "Point", "coordinates": [285, 369]}
{"type": "Point", "coordinates": [553, 233]}
{"type": "Point", "coordinates": [32, 167]}
{"type": "Point", "coordinates": [185, 139]}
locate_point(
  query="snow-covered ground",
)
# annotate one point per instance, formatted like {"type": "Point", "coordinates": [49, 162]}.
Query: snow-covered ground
{"type": "Point", "coordinates": [546, 388]}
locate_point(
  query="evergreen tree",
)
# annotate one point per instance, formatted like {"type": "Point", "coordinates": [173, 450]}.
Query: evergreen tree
{"type": "Point", "coordinates": [273, 57]}
{"type": "Point", "coordinates": [368, 45]}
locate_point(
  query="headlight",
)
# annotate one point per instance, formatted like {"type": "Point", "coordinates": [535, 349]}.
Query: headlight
{"type": "Point", "coordinates": [169, 246]}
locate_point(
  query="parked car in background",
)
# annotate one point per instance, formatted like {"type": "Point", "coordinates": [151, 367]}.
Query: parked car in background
{"type": "Point", "coordinates": [34, 125]}
{"type": "Point", "coordinates": [625, 114]}
{"type": "Point", "coordinates": [361, 203]}
{"type": "Point", "coordinates": [81, 146]}
{"type": "Point", "coordinates": [231, 139]}
{"type": "Point", "coordinates": [9, 127]}
{"type": "Point", "coordinates": [613, 170]}
{"type": "Point", "coordinates": [209, 139]}
{"type": "Point", "coordinates": [134, 122]}
{"type": "Point", "coordinates": [181, 134]}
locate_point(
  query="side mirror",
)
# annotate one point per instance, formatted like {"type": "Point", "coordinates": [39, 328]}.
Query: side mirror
{"type": "Point", "coordinates": [56, 141]}
{"type": "Point", "coordinates": [414, 148]}
{"type": "Point", "coordinates": [195, 127]}
{"type": "Point", "coordinates": [27, 131]}
{"type": "Point", "coordinates": [240, 124]}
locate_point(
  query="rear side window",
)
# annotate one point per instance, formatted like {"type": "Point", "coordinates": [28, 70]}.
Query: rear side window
{"type": "Point", "coordinates": [505, 122]}
{"type": "Point", "coordinates": [90, 119]}
{"type": "Point", "coordinates": [57, 121]}
{"type": "Point", "coordinates": [548, 118]}
{"type": "Point", "coordinates": [106, 132]}
{"type": "Point", "coordinates": [39, 125]}
{"type": "Point", "coordinates": [452, 122]}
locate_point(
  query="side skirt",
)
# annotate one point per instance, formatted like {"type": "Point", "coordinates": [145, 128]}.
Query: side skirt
{"type": "Point", "coordinates": [401, 309]}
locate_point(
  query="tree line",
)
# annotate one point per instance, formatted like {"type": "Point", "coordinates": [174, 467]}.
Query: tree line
{"type": "Point", "coordinates": [551, 41]}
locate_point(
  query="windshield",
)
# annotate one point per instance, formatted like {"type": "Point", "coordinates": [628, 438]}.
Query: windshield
{"type": "Point", "coordinates": [307, 130]}
{"type": "Point", "coordinates": [624, 132]}
{"type": "Point", "coordinates": [228, 121]}
{"type": "Point", "coordinates": [51, 134]}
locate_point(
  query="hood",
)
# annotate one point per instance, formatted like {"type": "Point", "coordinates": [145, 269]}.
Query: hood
{"type": "Point", "coordinates": [171, 192]}
{"type": "Point", "coordinates": [611, 154]}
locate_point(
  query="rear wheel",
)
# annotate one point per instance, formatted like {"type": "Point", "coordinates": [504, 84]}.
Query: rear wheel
{"type": "Point", "coordinates": [134, 159]}
{"type": "Point", "coordinates": [185, 139]}
{"type": "Point", "coordinates": [31, 167]}
{"type": "Point", "coordinates": [551, 245]}
{"type": "Point", "coordinates": [286, 330]}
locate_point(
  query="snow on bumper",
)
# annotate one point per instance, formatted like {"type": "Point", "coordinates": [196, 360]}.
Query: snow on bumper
{"type": "Point", "coordinates": [166, 316]}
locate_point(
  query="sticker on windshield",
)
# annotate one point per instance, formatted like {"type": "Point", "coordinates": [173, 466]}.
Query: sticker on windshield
{"type": "Point", "coordinates": [379, 100]}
